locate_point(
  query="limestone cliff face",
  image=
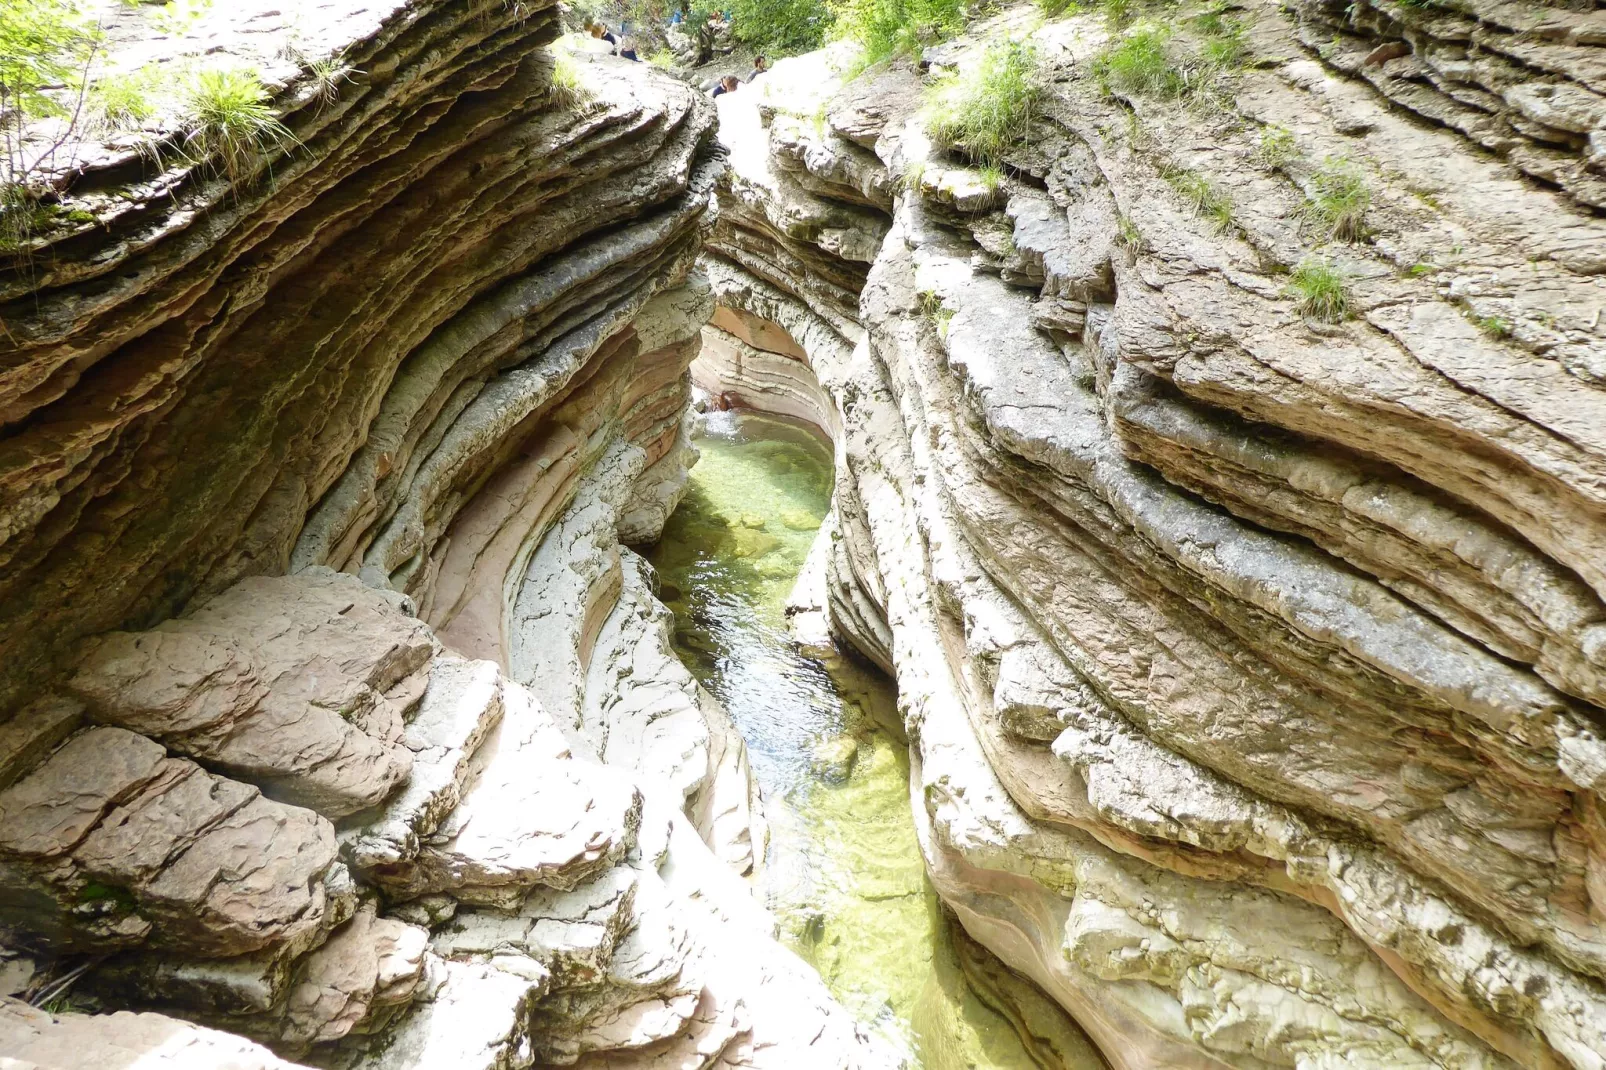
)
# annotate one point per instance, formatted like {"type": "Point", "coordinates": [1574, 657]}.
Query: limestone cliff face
{"type": "Point", "coordinates": [1252, 665]}
{"type": "Point", "coordinates": [336, 714]}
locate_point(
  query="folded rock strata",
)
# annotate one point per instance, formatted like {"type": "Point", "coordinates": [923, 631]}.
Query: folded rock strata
{"type": "Point", "coordinates": [1249, 664]}
{"type": "Point", "coordinates": [298, 459]}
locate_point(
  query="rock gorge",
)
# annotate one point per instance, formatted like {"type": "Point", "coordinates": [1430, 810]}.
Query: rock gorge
{"type": "Point", "coordinates": [1253, 666]}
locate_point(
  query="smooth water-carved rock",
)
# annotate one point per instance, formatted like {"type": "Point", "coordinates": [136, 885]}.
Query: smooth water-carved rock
{"type": "Point", "coordinates": [285, 457]}
{"type": "Point", "coordinates": [1204, 616]}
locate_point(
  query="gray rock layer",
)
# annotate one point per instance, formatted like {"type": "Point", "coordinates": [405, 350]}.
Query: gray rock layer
{"type": "Point", "coordinates": [335, 714]}
{"type": "Point", "coordinates": [1251, 664]}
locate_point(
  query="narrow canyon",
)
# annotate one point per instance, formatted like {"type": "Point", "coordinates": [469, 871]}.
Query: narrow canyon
{"type": "Point", "coordinates": [1079, 543]}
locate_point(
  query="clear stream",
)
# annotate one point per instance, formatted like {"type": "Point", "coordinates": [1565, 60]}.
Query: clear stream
{"type": "Point", "coordinates": [843, 871]}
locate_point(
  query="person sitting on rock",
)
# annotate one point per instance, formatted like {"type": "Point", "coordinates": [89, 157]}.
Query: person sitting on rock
{"type": "Point", "coordinates": [727, 84]}
{"type": "Point", "coordinates": [760, 65]}
{"type": "Point", "coordinates": [599, 30]}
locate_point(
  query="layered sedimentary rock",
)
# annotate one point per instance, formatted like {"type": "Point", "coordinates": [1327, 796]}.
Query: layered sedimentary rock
{"type": "Point", "coordinates": [1250, 663]}
{"type": "Point", "coordinates": [335, 712]}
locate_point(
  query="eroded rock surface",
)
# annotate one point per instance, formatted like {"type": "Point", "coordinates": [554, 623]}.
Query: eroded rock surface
{"type": "Point", "coordinates": [1248, 662]}
{"type": "Point", "coordinates": [288, 454]}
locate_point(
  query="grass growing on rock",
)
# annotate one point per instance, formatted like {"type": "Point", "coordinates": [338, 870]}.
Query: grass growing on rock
{"type": "Point", "coordinates": [1277, 147]}
{"type": "Point", "coordinates": [122, 102]}
{"type": "Point", "coordinates": [328, 75]}
{"type": "Point", "coordinates": [1321, 289]}
{"type": "Point", "coordinates": [1137, 63]}
{"type": "Point", "coordinates": [1153, 60]}
{"type": "Point", "coordinates": [1338, 199]}
{"type": "Point", "coordinates": [1127, 234]}
{"type": "Point", "coordinates": [984, 111]}
{"type": "Point", "coordinates": [1204, 197]}
{"type": "Point", "coordinates": [228, 121]}
{"type": "Point", "coordinates": [568, 88]}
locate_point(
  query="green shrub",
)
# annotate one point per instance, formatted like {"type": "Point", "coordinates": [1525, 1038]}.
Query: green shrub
{"type": "Point", "coordinates": [985, 110]}
{"type": "Point", "coordinates": [887, 28]}
{"type": "Point", "coordinates": [662, 59]}
{"type": "Point", "coordinates": [1338, 199]}
{"type": "Point", "coordinates": [1321, 289]}
{"type": "Point", "coordinates": [1139, 63]}
{"type": "Point", "coordinates": [228, 120]}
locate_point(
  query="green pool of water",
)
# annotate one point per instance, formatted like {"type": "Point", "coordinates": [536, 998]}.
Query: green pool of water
{"type": "Point", "coordinates": [843, 872]}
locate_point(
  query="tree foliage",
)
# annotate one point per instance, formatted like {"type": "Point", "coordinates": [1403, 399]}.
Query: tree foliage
{"type": "Point", "coordinates": [773, 27]}
{"type": "Point", "coordinates": [888, 28]}
{"type": "Point", "coordinates": [46, 47]}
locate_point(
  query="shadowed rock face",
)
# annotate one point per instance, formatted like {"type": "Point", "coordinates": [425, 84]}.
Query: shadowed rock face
{"type": "Point", "coordinates": [1251, 663]}
{"type": "Point", "coordinates": [312, 493]}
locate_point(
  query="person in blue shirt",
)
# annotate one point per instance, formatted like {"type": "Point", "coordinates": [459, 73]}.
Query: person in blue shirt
{"type": "Point", "coordinates": [726, 84]}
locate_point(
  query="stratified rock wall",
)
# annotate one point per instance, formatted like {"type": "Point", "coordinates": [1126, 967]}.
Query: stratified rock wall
{"type": "Point", "coordinates": [332, 710]}
{"type": "Point", "coordinates": [1250, 663]}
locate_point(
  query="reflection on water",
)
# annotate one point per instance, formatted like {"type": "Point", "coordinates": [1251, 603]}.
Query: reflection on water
{"type": "Point", "coordinates": [844, 873]}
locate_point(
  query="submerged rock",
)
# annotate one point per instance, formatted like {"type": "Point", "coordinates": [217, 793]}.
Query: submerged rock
{"type": "Point", "coordinates": [832, 759]}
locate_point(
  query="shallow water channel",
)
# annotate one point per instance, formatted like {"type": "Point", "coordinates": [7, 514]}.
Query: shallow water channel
{"type": "Point", "coordinates": [843, 871]}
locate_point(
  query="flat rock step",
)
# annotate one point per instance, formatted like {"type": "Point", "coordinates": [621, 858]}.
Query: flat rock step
{"type": "Point", "coordinates": [462, 703]}
{"type": "Point", "coordinates": [37, 1040]}
{"type": "Point", "coordinates": [527, 815]}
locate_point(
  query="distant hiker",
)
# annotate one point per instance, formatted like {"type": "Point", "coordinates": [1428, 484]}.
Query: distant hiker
{"type": "Point", "coordinates": [760, 65]}
{"type": "Point", "coordinates": [726, 84]}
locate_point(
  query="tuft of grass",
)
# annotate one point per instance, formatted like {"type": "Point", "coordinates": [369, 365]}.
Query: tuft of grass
{"type": "Point", "coordinates": [986, 110]}
{"type": "Point", "coordinates": [1203, 196]}
{"type": "Point", "coordinates": [568, 88]}
{"type": "Point", "coordinates": [992, 177]}
{"type": "Point", "coordinates": [1493, 326]}
{"type": "Point", "coordinates": [1338, 199]}
{"type": "Point", "coordinates": [1322, 290]}
{"type": "Point", "coordinates": [328, 75]}
{"type": "Point", "coordinates": [1053, 9]}
{"type": "Point", "coordinates": [1422, 269]}
{"type": "Point", "coordinates": [1139, 63]}
{"type": "Point", "coordinates": [122, 102]}
{"type": "Point", "coordinates": [228, 122]}
{"type": "Point", "coordinates": [1127, 234]}
{"type": "Point", "coordinates": [663, 59]}
{"type": "Point", "coordinates": [913, 174]}
{"type": "Point", "coordinates": [1277, 148]}
{"type": "Point", "coordinates": [1226, 40]}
